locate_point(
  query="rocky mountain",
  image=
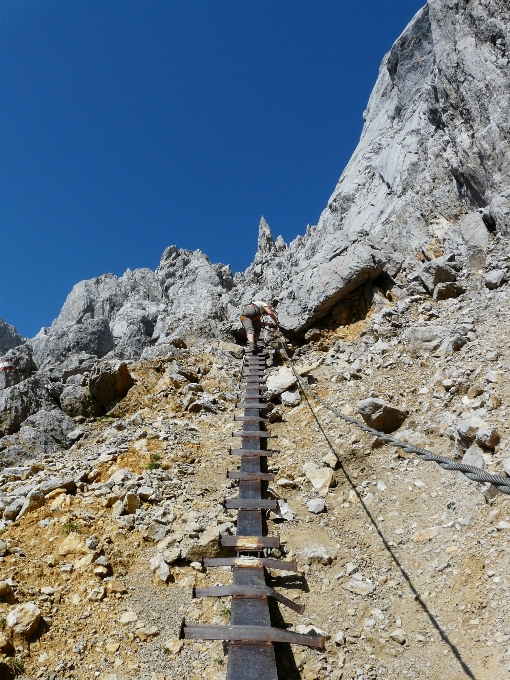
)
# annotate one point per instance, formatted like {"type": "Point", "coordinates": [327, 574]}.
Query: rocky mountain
{"type": "Point", "coordinates": [395, 305]}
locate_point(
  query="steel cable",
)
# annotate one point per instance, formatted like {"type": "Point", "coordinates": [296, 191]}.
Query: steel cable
{"type": "Point", "coordinates": [475, 474]}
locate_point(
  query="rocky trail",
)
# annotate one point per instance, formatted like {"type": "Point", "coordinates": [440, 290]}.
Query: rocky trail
{"type": "Point", "coordinates": [402, 566]}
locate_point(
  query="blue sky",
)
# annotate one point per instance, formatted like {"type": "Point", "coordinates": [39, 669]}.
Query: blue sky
{"type": "Point", "coordinates": [130, 125]}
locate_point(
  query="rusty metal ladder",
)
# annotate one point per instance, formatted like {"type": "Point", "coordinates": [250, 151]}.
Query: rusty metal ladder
{"type": "Point", "coordinates": [250, 634]}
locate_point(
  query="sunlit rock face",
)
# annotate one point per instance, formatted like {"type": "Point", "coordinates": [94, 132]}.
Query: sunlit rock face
{"type": "Point", "coordinates": [429, 175]}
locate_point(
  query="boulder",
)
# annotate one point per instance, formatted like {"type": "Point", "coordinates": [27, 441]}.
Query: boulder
{"type": "Point", "coordinates": [13, 456]}
{"type": "Point", "coordinates": [494, 278]}
{"type": "Point", "coordinates": [54, 423]}
{"type": "Point", "coordinates": [110, 382]}
{"type": "Point", "coordinates": [35, 441]}
{"type": "Point", "coordinates": [488, 437]}
{"type": "Point", "coordinates": [91, 336]}
{"type": "Point", "coordinates": [20, 401]}
{"type": "Point", "coordinates": [20, 358]}
{"type": "Point", "coordinates": [279, 381]}
{"type": "Point", "coordinates": [426, 338]}
{"type": "Point", "coordinates": [444, 291]}
{"type": "Point", "coordinates": [380, 415]}
{"type": "Point", "coordinates": [24, 619]}
{"type": "Point", "coordinates": [473, 230]}
{"type": "Point", "coordinates": [77, 401]}
{"type": "Point", "coordinates": [436, 272]}
{"type": "Point", "coordinates": [291, 398]}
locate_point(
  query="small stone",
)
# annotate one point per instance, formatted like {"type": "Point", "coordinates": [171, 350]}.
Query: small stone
{"type": "Point", "coordinates": [131, 503]}
{"type": "Point", "coordinates": [283, 511]}
{"type": "Point", "coordinates": [159, 567]}
{"type": "Point", "coordinates": [3, 548]}
{"type": "Point", "coordinates": [112, 647]}
{"type": "Point", "coordinates": [155, 532]}
{"type": "Point", "coordinates": [316, 505]}
{"type": "Point", "coordinates": [317, 553]}
{"type": "Point", "coordinates": [494, 278]}
{"type": "Point", "coordinates": [487, 436]}
{"type": "Point", "coordinates": [493, 376]}
{"type": "Point", "coordinates": [117, 509]}
{"type": "Point", "coordinates": [331, 460]}
{"type": "Point", "coordinates": [115, 586]}
{"type": "Point", "coordinates": [503, 526]}
{"type": "Point", "coordinates": [92, 542]}
{"type": "Point", "coordinates": [359, 587]}
{"type": "Point", "coordinates": [381, 415]}
{"type": "Point", "coordinates": [321, 478]}
{"type": "Point", "coordinates": [146, 633]}
{"type": "Point", "coordinates": [47, 590]}
{"type": "Point", "coordinates": [24, 619]}
{"type": "Point", "coordinates": [5, 589]}
{"type": "Point", "coordinates": [339, 638]}
{"type": "Point", "coordinates": [426, 534]}
{"type": "Point", "coordinates": [398, 636]}
{"type": "Point", "coordinates": [101, 572]}
{"type": "Point", "coordinates": [128, 617]}
{"type": "Point", "coordinates": [72, 544]}
{"type": "Point", "coordinates": [290, 398]}
{"type": "Point", "coordinates": [506, 466]}
{"type": "Point", "coordinates": [96, 594]}
{"type": "Point", "coordinates": [174, 645]}
{"type": "Point", "coordinates": [145, 492]}
{"type": "Point", "coordinates": [350, 568]}
{"type": "Point", "coordinates": [171, 555]}
{"type": "Point", "coordinates": [197, 566]}
{"type": "Point", "coordinates": [6, 646]}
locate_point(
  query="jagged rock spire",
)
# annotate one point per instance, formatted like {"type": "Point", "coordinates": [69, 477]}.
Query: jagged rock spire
{"type": "Point", "coordinates": [266, 243]}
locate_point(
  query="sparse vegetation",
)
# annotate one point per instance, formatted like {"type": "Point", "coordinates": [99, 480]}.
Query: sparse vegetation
{"type": "Point", "coordinates": [154, 463]}
{"type": "Point", "coordinates": [17, 665]}
{"type": "Point", "coordinates": [70, 527]}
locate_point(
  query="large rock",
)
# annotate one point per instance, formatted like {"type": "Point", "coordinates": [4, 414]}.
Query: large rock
{"type": "Point", "coordinates": [92, 336]}
{"type": "Point", "coordinates": [110, 382]}
{"type": "Point", "coordinates": [76, 400]}
{"type": "Point", "coordinates": [279, 381]}
{"type": "Point", "coordinates": [426, 338]}
{"type": "Point", "coordinates": [20, 401]}
{"type": "Point", "coordinates": [436, 272]}
{"type": "Point", "coordinates": [380, 415]}
{"type": "Point", "coordinates": [24, 619]}
{"type": "Point", "coordinates": [35, 441]}
{"type": "Point", "coordinates": [53, 423]}
{"type": "Point", "coordinates": [23, 365]}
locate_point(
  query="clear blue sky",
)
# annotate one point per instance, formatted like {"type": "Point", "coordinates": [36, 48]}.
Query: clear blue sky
{"type": "Point", "coordinates": [130, 125]}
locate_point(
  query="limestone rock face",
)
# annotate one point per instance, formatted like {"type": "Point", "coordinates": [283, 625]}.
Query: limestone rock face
{"type": "Point", "coordinates": [428, 177]}
{"type": "Point", "coordinates": [9, 337]}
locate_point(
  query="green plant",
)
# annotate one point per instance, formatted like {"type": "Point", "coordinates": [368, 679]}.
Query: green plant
{"type": "Point", "coordinates": [220, 661]}
{"type": "Point", "coordinates": [17, 665]}
{"type": "Point", "coordinates": [154, 463]}
{"type": "Point", "coordinates": [3, 621]}
{"type": "Point", "coordinates": [451, 505]}
{"type": "Point", "coordinates": [166, 650]}
{"type": "Point", "coordinates": [225, 613]}
{"type": "Point", "coordinates": [101, 418]}
{"type": "Point", "coordinates": [70, 527]}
